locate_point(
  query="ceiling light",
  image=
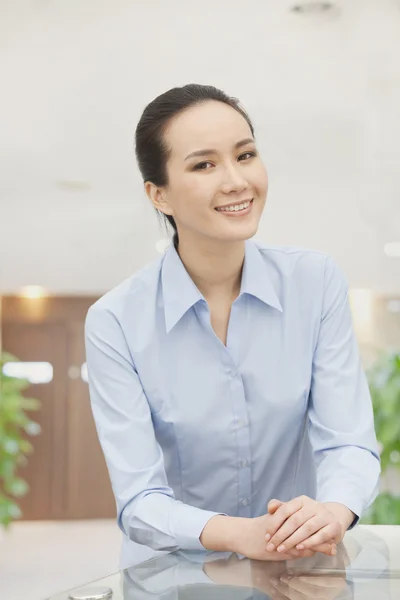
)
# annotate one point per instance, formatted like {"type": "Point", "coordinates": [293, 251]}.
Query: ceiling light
{"type": "Point", "coordinates": [162, 245]}
{"type": "Point", "coordinates": [392, 249]}
{"type": "Point", "coordinates": [307, 8]}
{"type": "Point", "coordinates": [33, 292]}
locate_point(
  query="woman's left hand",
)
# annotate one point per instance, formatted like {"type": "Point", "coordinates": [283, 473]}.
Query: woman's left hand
{"type": "Point", "coordinates": [304, 523]}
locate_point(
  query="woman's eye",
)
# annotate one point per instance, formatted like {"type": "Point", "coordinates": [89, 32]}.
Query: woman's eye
{"type": "Point", "coordinates": [201, 166]}
{"type": "Point", "coordinates": [246, 155]}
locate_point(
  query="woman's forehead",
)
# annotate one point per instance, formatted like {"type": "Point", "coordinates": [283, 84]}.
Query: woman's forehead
{"type": "Point", "coordinates": [211, 125]}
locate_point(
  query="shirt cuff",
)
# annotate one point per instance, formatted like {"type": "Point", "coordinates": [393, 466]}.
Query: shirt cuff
{"type": "Point", "coordinates": [353, 504]}
{"type": "Point", "coordinates": [188, 523]}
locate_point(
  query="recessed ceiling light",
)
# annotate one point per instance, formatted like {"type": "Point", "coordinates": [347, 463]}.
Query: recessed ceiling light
{"type": "Point", "coordinates": [392, 249]}
{"type": "Point", "coordinates": [307, 8]}
{"type": "Point", "coordinates": [33, 292]}
{"type": "Point", "coordinates": [162, 245]}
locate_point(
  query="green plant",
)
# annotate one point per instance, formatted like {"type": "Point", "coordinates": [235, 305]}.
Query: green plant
{"type": "Point", "coordinates": [14, 447]}
{"type": "Point", "coordinates": [384, 384]}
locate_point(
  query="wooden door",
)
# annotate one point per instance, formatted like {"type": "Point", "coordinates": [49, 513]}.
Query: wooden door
{"type": "Point", "coordinates": [46, 467]}
{"type": "Point", "coordinates": [67, 473]}
{"type": "Point", "coordinates": [89, 490]}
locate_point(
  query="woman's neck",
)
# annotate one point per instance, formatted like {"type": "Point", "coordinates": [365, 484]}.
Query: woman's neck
{"type": "Point", "coordinates": [215, 267]}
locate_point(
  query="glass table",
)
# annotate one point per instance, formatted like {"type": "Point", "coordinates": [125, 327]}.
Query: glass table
{"type": "Point", "coordinates": [367, 566]}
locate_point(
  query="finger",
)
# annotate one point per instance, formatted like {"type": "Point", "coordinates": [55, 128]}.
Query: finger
{"type": "Point", "coordinates": [289, 527]}
{"type": "Point", "coordinates": [301, 532]}
{"type": "Point", "coordinates": [290, 556]}
{"type": "Point", "coordinates": [286, 591]}
{"type": "Point", "coordinates": [328, 548]}
{"type": "Point", "coordinates": [309, 589]}
{"type": "Point", "coordinates": [300, 553]}
{"type": "Point", "coordinates": [323, 582]}
{"type": "Point", "coordinates": [286, 510]}
{"type": "Point", "coordinates": [273, 506]}
{"type": "Point", "coordinates": [325, 534]}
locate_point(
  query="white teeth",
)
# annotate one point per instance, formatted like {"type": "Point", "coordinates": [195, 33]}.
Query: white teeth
{"type": "Point", "coordinates": [234, 208]}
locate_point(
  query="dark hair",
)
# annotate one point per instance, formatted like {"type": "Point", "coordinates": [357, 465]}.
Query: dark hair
{"type": "Point", "coordinates": [151, 150]}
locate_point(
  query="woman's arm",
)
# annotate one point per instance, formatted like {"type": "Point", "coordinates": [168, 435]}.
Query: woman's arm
{"type": "Point", "coordinates": [341, 431]}
{"type": "Point", "coordinates": [341, 421]}
{"type": "Point", "coordinates": [147, 510]}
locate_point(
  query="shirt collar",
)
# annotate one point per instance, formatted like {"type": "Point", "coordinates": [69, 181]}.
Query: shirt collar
{"type": "Point", "coordinates": [256, 280]}
{"type": "Point", "coordinates": [180, 292]}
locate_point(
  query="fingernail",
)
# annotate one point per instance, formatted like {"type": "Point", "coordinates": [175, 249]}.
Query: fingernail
{"type": "Point", "coordinates": [281, 548]}
{"type": "Point", "coordinates": [285, 578]}
{"type": "Point", "coordinates": [267, 537]}
{"type": "Point", "coordinates": [300, 547]}
{"type": "Point", "coordinates": [274, 581]}
{"type": "Point", "coordinates": [270, 547]}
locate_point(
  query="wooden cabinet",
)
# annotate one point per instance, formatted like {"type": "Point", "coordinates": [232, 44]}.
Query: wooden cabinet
{"type": "Point", "coordinates": [67, 473]}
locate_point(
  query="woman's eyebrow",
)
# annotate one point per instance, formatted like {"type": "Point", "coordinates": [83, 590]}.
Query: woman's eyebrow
{"type": "Point", "coordinates": [209, 151]}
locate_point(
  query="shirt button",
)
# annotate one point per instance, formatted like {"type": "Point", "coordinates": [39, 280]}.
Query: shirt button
{"type": "Point", "coordinates": [244, 502]}
{"type": "Point", "coordinates": [244, 463]}
{"type": "Point", "coordinates": [239, 423]}
{"type": "Point", "coordinates": [232, 373]}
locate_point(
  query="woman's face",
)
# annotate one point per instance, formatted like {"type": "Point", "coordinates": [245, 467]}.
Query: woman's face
{"type": "Point", "coordinates": [217, 183]}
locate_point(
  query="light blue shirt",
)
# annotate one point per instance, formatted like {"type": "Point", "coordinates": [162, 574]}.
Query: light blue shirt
{"type": "Point", "coordinates": [191, 428]}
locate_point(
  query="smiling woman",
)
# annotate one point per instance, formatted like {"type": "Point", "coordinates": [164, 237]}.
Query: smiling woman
{"type": "Point", "coordinates": [182, 126]}
{"type": "Point", "coordinates": [226, 374]}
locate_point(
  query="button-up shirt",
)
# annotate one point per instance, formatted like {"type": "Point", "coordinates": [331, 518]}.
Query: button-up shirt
{"type": "Point", "coordinates": [191, 428]}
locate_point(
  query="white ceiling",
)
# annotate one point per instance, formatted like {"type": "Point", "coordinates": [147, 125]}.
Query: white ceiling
{"type": "Point", "coordinates": [323, 92]}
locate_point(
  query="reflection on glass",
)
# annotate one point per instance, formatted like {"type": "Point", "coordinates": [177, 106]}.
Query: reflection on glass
{"type": "Point", "coordinates": [34, 372]}
{"type": "Point", "coordinates": [359, 571]}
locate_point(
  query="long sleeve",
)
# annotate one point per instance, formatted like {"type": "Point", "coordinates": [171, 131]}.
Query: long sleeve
{"type": "Point", "coordinates": [147, 510]}
{"type": "Point", "coordinates": [341, 423]}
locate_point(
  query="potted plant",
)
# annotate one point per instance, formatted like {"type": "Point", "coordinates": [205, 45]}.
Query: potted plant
{"type": "Point", "coordinates": [384, 384]}
{"type": "Point", "coordinates": [15, 425]}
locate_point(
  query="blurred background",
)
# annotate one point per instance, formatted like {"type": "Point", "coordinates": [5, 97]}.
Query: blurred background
{"type": "Point", "coordinates": [320, 81]}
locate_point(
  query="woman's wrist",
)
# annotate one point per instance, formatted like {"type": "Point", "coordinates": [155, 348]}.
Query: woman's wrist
{"type": "Point", "coordinates": [344, 515]}
{"type": "Point", "coordinates": [221, 533]}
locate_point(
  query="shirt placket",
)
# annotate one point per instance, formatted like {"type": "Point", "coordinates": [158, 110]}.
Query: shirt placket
{"type": "Point", "coordinates": [240, 422]}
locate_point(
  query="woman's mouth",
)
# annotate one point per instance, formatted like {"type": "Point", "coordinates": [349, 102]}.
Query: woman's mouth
{"type": "Point", "coordinates": [236, 209]}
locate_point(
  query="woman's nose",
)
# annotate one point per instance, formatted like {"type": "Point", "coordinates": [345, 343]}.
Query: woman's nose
{"type": "Point", "coordinates": [233, 180]}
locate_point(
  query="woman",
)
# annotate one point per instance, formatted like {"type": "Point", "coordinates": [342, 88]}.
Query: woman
{"type": "Point", "coordinates": [226, 373]}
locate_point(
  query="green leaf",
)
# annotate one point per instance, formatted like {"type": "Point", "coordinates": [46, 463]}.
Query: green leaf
{"type": "Point", "coordinates": [15, 424]}
{"type": "Point", "coordinates": [9, 510]}
{"type": "Point", "coordinates": [32, 428]}
{"type": "Point", "coordinates": [17, 487]}
{"type": "Point", "coordinates": [7, 467]}
{"type": "Point", "coordinates": [26, 447]}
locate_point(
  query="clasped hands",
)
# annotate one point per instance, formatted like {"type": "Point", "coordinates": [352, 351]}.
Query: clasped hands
{"type": "Point", "coordinates": [306, 525]}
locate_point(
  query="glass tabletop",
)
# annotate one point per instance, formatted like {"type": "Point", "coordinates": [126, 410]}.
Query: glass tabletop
{"type": "Point", "coordinates": [367, 566]}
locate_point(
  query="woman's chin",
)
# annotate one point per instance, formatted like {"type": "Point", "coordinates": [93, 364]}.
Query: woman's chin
{"type": "Point", "coordinates": [240, 232]}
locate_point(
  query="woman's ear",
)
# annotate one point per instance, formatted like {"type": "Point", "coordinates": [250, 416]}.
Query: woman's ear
{"type": "Point", "coordinates": [157, 196]}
